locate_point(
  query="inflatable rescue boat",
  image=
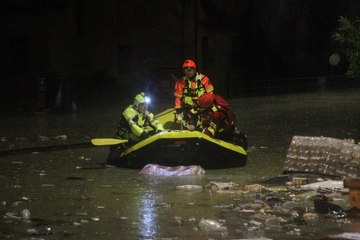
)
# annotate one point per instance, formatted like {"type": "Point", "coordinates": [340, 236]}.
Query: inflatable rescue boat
{"type": "Point", "coordinates": [174, 147]}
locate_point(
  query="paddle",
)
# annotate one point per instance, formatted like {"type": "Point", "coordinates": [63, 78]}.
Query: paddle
{"type": "Point", "coordinates": [167, 111]}
{"type": "Point", "coordinates": [175, 121]}
{"type": "Point", "coordinates": [181, 124]}
{"type": "Point", "coordinates": [107, 141]}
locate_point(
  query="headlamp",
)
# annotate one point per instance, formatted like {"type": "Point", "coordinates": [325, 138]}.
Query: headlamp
{"type": "Point", "coordinates": [147, 100]}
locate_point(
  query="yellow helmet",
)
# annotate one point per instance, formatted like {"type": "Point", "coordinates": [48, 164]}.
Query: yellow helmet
{"type": "Point", "coordinates": [141, 98]}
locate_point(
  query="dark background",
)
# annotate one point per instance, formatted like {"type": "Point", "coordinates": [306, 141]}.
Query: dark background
{"type": "Point", "coordinates": [103, 50]}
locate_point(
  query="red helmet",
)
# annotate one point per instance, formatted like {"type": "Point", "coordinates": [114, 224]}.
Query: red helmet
{"type": "Point", "coordinates": [189, 64]}
{"type": "Point", "coordinates": [205, 100]}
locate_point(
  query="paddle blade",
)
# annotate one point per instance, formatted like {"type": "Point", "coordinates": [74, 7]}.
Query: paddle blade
{"type": "Point", "coordinates": [107, 141]}
{"type": "Point", "coordinates": [165, 112]}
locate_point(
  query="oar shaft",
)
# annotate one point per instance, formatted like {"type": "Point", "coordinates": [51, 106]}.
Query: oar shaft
{"type": "Point", "coordinates": [107, 141]}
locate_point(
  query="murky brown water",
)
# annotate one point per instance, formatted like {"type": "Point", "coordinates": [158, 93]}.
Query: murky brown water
{"type": "Point", "coordinates": [70, 195]}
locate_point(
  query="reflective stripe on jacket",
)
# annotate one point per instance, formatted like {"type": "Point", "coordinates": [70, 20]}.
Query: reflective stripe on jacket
{"type": "Point", "coordinates": [218, 121]}
{"type": "Point", "coordinates": [187, 91]}
{"type": "Point", "coordinates": [133, 123]}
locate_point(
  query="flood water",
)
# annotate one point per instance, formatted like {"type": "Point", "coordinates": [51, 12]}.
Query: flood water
{"type": "Point", "coordinates": [70, 195]}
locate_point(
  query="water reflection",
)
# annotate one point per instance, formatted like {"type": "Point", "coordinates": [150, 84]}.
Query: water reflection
{"type": "Point", "coordinates": [147, 212]}
{"type": "Point", "coordinates": [136, 205]}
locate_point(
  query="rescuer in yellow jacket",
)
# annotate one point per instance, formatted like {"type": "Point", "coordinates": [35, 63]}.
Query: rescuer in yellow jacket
{"type": "Point", "coordinates": [134, 126]}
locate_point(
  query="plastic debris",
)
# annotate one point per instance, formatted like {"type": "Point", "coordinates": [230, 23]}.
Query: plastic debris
{"type": "Point", "coordinates": [336, 214]}
{"type": "Point", "coordinates": [254, 188]}
{"type": "Point", "coordinates": [162, 205]}
{"type": "Point", "coordinates": [286, 207]}
{"type": "Point", "coordinates": [297, 214]}
{"type": "Point", "coordinates": [189, 187]}
{"type": "Point", "coordinates": [324, 155]}
{"type": "Point", "coordinates": [223, 186]}
{"type": "Point", "coordinates": [273, 201]}
{"type": "Point", "coordinates": [43, 138]}
{"type": "Point", "coordinates": [47, 185]}
{"type": "Point", "coordinates": [304, 181]}
{"type": "Point", "coordinates": [253, 206]}
{"type": "Point", "coordinates": [321, 185]}
{"type": "Point", "coordinates": [12, 216]}
{"type": "Point", "coordinates": [82, 213]}
{"type": "Point", "coordinates": [16, 203]}
{"type": "Point", "coordinates": [62, 214]}
{"type": "Point", "coordinates": [211, 225]}
{"type": "Point", "coordinates": [37, 233]}
{"type": "Point", "coordinates": [21, 139]}
{"type": "Point", "coordinates": [25, 214]}
{"type": "Point", "coordinates": [308, 217]}
{"type": "Point", "coordinates": [346, 235]}
{"type": "Point", "coordinates": [31, 231]}
{"type": "Point", "coordinates": [159, 170]}
{"type": "Point", "coordinates": [61, 137]}
{"type": "Point", "coordinates": [323, 205]}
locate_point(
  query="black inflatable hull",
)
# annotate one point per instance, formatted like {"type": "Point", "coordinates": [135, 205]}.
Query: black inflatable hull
{"type": "Point", "coordinates": [174, 148]}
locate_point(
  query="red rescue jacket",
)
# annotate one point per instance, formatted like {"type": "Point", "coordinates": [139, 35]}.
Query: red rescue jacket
{"type": "Point", "coordinates": [187, 91]}
{"type": "Point", "coordinates": [218, 120]}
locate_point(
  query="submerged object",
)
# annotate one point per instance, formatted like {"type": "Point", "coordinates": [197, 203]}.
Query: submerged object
{"type": "Point", "coordinates": [159, 170]}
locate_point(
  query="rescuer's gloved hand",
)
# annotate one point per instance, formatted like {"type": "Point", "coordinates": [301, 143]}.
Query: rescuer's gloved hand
{"type": "Point", "coordinates": [190, 127]}
{"type": "Point", "coordinates": [179, 116]}
{"type": "Point", "coordinates": [144, 135]}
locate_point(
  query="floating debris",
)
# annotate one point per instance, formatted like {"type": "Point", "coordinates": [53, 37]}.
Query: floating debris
{"type": "Point", "coordinates": [189, 187]}
{"type": "Point", "coordinates": [159, 170]}
{"type": "Point", "coordinates": [75, 178]}
{"type": "Point", "coordinates": [211, 225]}
{"type": "Point", "coordinates": [25, 214]}
{"type": "Point", "coordinates": [21, 139]}
{"type": "Point", "coordinates": [346, 235]}
{"type": "Point", "coordinates": [47, 185]}
{"type": "Point", "coordinates": [61, 137]}
{"type": "Point", "coordinates": [43, 138]}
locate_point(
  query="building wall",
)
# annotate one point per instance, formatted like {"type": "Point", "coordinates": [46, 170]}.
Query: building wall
{"type": "Point", "coordinates": [116, 46]}
{"type": "Point", "coordinates": [84, 38]}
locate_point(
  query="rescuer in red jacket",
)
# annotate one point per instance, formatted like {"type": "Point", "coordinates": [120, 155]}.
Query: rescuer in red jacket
{"type": "Point", "coordinates": [187, 91]}
{"type": "Point", "coordinates": [217, 120]}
